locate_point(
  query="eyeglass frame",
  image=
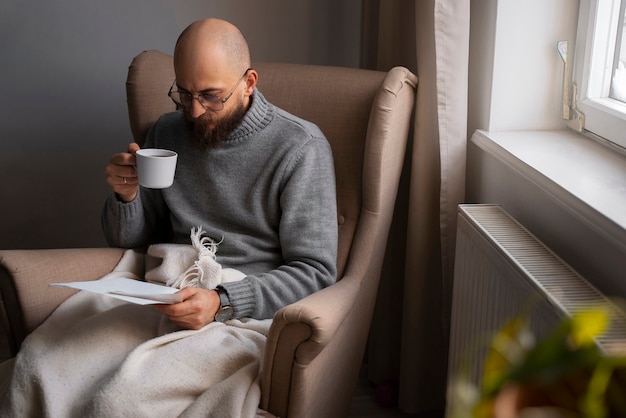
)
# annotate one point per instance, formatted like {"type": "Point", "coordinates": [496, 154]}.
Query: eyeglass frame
{"type": "Point", "coordinates": [197, 96]}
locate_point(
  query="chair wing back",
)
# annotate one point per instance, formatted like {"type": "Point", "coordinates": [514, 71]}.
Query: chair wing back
{"type": "Point", "coordinates": [339, 100]}
{"type": "Point", "coordinates": [150, 76]}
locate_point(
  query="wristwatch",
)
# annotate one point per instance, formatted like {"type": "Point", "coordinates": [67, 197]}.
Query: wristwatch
{"type": "Point", "coordinates": [225, 312]}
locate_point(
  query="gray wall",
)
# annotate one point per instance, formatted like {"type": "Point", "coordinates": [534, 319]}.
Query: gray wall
{"type": "Point", "coordinates": [63, 113]}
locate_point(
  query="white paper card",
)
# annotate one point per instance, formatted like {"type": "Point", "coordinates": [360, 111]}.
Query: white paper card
{"type": "Point", "coordinates": [135, 291]}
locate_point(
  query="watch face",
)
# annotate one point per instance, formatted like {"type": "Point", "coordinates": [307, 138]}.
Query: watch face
{"type": "Point", "coordinates": [224, 314]}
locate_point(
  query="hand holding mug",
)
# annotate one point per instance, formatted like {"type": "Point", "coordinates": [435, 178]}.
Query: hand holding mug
{"type": "Point", "coordinates": [149, 167]}
{"type": "Point", "coordinates": [121, 174]}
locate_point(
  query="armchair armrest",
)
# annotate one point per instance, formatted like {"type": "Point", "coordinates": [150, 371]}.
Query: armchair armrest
{"type": "Point", "coordinates": [300, 334]}
{"type": "Point", "coordinates": [27, 300]}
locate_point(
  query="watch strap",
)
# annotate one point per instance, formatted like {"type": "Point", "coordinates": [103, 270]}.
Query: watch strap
{"type": "Point", "coordinates": [224, 299]}
{"type": "Point", "coordinates": [225, 312]}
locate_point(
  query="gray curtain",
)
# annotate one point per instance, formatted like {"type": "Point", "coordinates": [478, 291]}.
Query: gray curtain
{"type": "Point", "coordinates": [409, 334]}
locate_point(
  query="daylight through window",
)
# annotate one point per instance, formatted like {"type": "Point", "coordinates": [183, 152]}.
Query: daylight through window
{"type": "Point", "coordinates": [600, 68]}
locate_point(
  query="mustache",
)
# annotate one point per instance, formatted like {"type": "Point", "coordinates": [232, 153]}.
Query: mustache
{"type": "Point", "coordinates": [202, 123]}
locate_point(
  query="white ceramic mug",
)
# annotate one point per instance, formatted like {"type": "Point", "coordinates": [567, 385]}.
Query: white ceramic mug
{"type": "Point", "coordinates": [156, 167]}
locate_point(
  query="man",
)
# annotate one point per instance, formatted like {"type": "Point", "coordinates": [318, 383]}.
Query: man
{"type": "Point", "coordinates": [256, 179]}
{"type": "Point", "coordinates": [260, 183]}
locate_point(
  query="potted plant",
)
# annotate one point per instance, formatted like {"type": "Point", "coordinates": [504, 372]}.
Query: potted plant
{"type": "Point", "coordinates": [564, 374]}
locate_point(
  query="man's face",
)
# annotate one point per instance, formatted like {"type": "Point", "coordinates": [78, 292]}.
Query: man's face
{"type": "Point", "coordinates": [211, 128]}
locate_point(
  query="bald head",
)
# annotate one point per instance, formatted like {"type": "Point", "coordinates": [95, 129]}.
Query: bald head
{"type": "Point", "coordinates": [212, 58]}
{"type": "Point", "coordinates": [213, 43]}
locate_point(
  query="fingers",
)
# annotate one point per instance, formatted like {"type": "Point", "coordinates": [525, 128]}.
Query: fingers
{"type": "Point", "coordinates": [197, 309]}
{"type": "Point", "coordinates": [133, 147]}
{"type": "Point", "coordinates": [121, 174]}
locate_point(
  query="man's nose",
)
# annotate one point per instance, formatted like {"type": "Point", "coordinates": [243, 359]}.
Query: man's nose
{"type": "Point", "coordinates": [196, 109]}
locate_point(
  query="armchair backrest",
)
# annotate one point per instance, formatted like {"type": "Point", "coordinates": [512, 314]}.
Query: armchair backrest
{"type": "Point", "coordinates": [339, 100]}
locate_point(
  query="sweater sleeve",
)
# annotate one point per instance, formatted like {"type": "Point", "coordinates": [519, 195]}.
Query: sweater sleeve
{"type": "Point", "coordinates": [122, 222]}
{"type": "Point", "coordinates": [308, 237]}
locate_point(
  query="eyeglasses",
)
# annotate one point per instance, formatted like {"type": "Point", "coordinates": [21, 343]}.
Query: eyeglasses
{"type": "Point", "coordinates": [207, 101]}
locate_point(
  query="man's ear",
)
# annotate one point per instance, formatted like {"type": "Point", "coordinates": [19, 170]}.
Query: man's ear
{"type": "Point", "coordinates": [250, 81]}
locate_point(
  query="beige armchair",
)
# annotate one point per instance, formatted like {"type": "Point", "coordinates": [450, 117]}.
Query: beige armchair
{"type": "Point", "coordinates": [315, 346]}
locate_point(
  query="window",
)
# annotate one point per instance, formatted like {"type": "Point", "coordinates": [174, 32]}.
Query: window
{"type": "Point", "coordinates": [600, 68]}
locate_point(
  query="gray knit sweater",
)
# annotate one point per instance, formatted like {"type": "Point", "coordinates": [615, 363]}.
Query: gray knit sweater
{"type": "Point", "coordinates": [267, 193]}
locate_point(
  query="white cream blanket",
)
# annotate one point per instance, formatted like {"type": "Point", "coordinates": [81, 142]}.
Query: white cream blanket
{"type": "Point", "coordinates": [100, 357]}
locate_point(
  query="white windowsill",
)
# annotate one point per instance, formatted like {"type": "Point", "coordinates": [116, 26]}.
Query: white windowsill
{"type": "Point", "coordinates": [585, 177]}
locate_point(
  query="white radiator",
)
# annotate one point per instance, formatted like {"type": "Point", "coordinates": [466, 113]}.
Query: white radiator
{"type": "Point", "coordinates": [500, 270]}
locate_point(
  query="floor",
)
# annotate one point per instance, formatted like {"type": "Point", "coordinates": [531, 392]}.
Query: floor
{"type": "Point", "coordinates": [364, 404]}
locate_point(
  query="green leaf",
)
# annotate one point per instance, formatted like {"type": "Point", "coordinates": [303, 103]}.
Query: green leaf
{"type": "Point", "coordinates": [507, 349]}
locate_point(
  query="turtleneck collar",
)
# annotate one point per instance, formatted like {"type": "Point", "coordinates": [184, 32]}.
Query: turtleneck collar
{"type": "Point", "coordinates": [258, 116]}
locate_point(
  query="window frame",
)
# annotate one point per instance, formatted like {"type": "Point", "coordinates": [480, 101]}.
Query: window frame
{"type": "Point", "coordinates": [604, 117]}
